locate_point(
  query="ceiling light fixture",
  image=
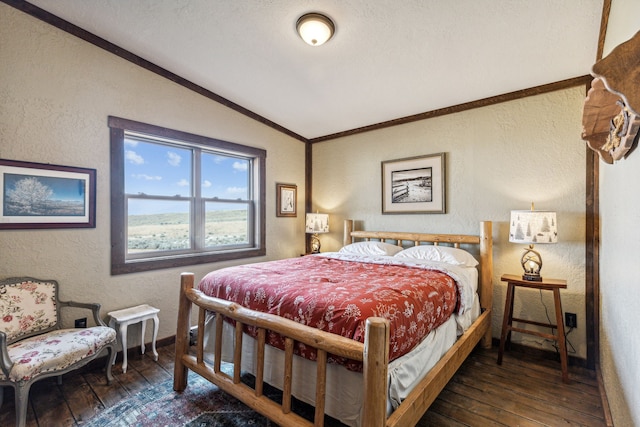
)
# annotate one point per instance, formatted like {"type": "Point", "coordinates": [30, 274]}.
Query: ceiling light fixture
{"type": "Point", "coordinates": [315, 28]}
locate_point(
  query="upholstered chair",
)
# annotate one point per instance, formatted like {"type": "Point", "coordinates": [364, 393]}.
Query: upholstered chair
{"type": "Point", "coordinates": [33, 344]}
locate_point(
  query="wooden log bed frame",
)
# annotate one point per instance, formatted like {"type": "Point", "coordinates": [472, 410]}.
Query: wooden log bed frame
{"type": "Point", "coordinates": [373, 353]}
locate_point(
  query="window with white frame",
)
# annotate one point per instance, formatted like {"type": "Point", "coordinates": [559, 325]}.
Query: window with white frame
{"type": "Point", "coordinates": [181, 199]}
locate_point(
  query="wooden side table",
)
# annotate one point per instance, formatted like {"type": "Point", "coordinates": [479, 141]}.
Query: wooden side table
{"type": "Point", "coordinates": [129, 316]}
{"type": "Point", "coordinates": [553, 285]}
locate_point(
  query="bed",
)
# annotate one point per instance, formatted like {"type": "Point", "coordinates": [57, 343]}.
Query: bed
{"type": "Point", "coordinates": [243, 336]}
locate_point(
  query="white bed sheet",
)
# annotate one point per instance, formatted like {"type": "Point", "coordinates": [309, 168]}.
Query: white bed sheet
{"type": "Point", "coordinates": [344, 397]}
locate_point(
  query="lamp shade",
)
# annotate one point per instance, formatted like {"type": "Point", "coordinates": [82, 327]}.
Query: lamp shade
{"type": "Point", "coordinates": [317, 223]}
{"type": "Point", "coordinates": [529, 226]}
{"type": "Point", "coordinates": [315, 29]}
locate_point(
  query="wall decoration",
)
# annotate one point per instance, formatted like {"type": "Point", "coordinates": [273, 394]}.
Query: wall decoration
{"type": "Point", "coordinates": [414, 185]}
{"type": "Point", "coordinates": [611, 114]}
{"type": "Point", "coordinates": [37, 195]}
{"type": "Point", "coordinates": [286, 200]}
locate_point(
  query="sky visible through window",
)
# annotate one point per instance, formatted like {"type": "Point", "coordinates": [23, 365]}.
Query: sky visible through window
{"type": "Point", "coordinates": [165, 170]}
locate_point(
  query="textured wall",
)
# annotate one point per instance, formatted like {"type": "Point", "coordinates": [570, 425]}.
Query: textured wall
{"type": "Point", "coordinates": [620, 287]}
{"type": "Point", "coordinates": [619, 254]}
{"type": "Point", "coordinates": [499, 158]}
{"type": "Point", "coordinates": [56, 93]}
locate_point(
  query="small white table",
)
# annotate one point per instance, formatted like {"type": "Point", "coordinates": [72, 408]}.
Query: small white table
{"type": "Point", "coordinates": [128, 316]}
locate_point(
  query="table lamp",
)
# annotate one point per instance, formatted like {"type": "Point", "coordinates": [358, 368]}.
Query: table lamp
{"type": "Point", "coordinates": [316, 223]}
{"type": "Point", "coordinates": [532, 227]}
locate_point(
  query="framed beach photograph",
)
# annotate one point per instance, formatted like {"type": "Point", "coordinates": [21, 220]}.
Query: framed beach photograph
{"type": "Point", "coordinates": [286, 200]}
{"type": "Point", "coordinates": [414, 185]}
{"type": "Point", "coordinates": [38, 195]}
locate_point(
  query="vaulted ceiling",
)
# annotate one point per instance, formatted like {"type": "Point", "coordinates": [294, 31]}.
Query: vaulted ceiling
{"type": "Point", "coordinates": [389, 59]}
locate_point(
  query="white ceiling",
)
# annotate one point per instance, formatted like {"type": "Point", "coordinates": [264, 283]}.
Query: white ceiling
{"type": "Point", "coordinates": [388, 59]}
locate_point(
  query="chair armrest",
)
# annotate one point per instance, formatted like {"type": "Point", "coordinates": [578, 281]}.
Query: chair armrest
{"type": "Point", "coordinates": [5, 361]}
{"type": "Point", "coordinates": [94, 307]}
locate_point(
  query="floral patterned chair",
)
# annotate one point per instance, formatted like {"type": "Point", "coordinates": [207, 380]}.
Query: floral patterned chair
{"type": "Point", "coordinates": [33, 345]}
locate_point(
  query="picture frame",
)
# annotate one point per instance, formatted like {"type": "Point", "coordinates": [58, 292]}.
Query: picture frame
{"type": "Point", "coordinates": [414, 185]}
{"type": "Point", "coordinates": [39, 195]}
{"type": "Point", "coordinates": [286, 200]}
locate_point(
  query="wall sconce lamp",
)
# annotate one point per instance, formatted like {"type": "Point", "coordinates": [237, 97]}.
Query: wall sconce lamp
{"type": "Point", "coordinates": [316, 223]}
{"type": "Point", "coordinates": [315, 28]}
{"type": "Point", "coordinates": [532, 227]}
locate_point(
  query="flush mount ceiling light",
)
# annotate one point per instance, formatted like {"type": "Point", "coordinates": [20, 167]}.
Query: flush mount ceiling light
{"type": "Point", "coordinates": [315, 28]}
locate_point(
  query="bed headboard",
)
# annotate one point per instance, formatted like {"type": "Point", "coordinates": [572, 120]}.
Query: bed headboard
{"type": "Point", "coordinates": [484, 240]}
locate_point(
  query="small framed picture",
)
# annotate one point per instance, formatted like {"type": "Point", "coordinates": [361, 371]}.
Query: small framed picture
{"type": "Point", "coordinates": [414, 185]}
{"type": "Point", "coordinates": [37, 195]}
{"type": "Point", "coordinates": [286, 200]}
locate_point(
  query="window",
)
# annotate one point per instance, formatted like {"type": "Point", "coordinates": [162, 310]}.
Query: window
{"type": "Point", "coordinates": [182, 199]}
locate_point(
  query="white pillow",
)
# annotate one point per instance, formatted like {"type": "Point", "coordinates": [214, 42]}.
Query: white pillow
{"type": "Point", "coordinates": [370, 248]}
{"type": "Point", "coordinates": [446, 254]}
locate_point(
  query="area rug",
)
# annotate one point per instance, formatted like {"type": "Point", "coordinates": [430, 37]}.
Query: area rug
{"type": "Point", "coordinates": [202, 404]}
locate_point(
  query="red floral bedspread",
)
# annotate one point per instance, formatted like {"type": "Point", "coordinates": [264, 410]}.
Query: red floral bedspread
{"type": "Point", "coordinates": [338, 296]}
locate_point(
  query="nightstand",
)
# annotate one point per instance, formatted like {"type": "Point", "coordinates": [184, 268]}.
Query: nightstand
{"type": "Point", "coordinates": [553, 285]}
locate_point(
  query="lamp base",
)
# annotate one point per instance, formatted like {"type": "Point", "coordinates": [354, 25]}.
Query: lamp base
{"type": "Point", "coordinates": [315, 244]}
{"type": "Point", "coordinates": [531, 264]}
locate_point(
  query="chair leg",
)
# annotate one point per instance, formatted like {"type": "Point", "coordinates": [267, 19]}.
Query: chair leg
{"type": "Point", "coordinates": [110, 360]}
{"type": "Point", "coordinates": [22, 403]}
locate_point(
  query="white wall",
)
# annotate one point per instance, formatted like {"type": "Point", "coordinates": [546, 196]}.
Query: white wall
{"type": "Point", "coordinates": [620, 288]}
{"type": "Point", "coordinates": [56, 93]}
{"type": "Point", "coordinates": [499, 158]}
{"type": "Point", "coordinates": [619, 254]}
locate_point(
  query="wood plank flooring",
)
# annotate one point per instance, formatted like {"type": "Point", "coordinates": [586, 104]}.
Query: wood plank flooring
{"type": "Point", "coordinates": [524, 391]}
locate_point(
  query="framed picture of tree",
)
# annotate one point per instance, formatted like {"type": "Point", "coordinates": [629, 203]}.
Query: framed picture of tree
{"type": "Point", "coordinates": [38, 195]}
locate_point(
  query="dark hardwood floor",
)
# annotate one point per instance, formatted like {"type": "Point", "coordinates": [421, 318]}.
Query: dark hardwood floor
{"type": "Point", "coordinates": [524, 391]}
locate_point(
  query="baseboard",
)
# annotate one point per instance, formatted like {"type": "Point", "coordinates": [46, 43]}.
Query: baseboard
{"type": "Point", "coordinates": [603, 396]}
{"type": "Point", "coordinates": [135, 350]}
{"type": "Point", "coordinates": [166, 341]}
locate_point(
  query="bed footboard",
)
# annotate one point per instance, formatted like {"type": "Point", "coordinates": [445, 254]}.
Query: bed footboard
{"type": "Point", "coordinates": [374, 355]}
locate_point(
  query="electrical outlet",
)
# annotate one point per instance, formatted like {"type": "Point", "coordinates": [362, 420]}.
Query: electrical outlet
{"type": "Point", "coordinates": [81, 323]}
{"type": "Point", "coordinates": [571, 320]}
{"type": "Point", "coordinates": [193, 335]}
